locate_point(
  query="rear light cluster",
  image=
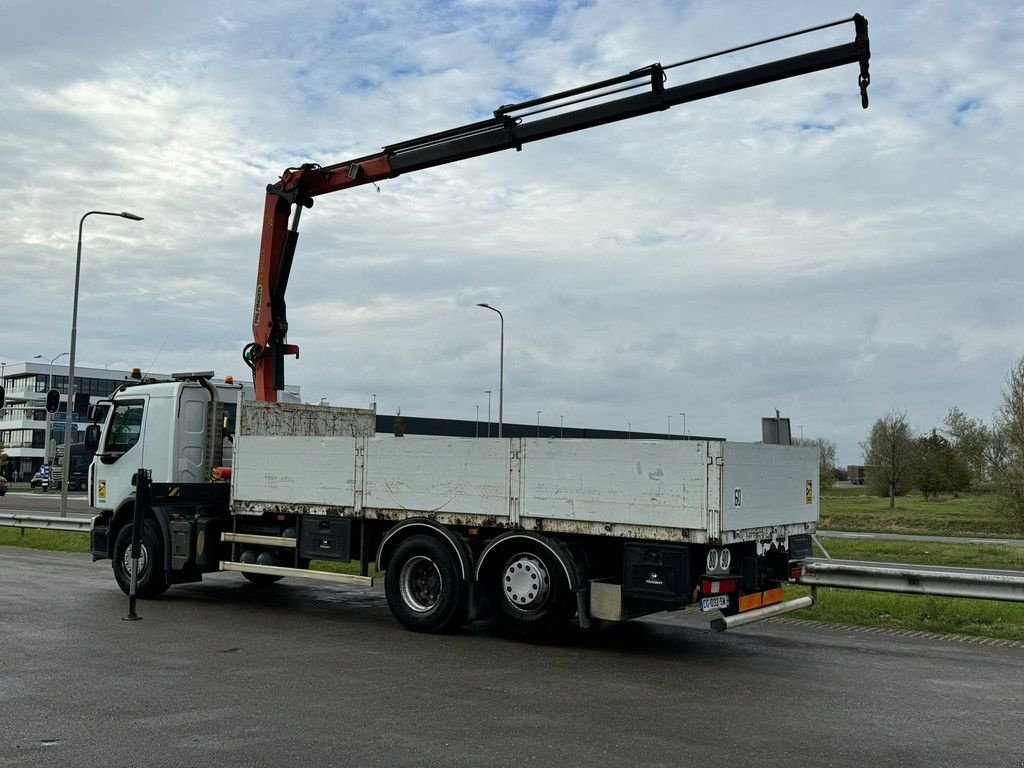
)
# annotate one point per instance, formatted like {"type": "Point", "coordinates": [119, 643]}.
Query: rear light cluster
{"type": "Point", "coordinates": [796, 571]}
{"type": "Point", "coordinates": [718, 560]}
{"type": "Point", "coordinates": [718, 586]}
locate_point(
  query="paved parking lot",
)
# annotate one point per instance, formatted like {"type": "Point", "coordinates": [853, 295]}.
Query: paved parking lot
{"type": "Point", "coordinates": [227, 674]}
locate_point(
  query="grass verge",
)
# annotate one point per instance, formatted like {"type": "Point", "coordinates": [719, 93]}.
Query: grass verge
{"type": "Point", "coordinates": [34, 538]}
{"type": "Point", "coordinates": [853, 509]}
{"type": "Point", "coordinates": [981, 618]}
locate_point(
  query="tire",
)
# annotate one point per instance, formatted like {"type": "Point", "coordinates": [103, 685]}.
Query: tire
{"type": "Point", "coordinates": [424, 588]}
{"type": "Point", "coordinates": [529, 594]}
{"type": "Point", "coordinates": [152, 579]}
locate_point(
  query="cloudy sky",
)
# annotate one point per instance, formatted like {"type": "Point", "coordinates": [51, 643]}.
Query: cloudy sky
{"type": "Point", "coordinates": [774, 248]}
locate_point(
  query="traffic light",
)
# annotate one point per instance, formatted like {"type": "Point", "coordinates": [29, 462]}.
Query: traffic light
{"type": "Point", "coordinates": [2, 395]}
{"type": "Point", "coordinates": [52, 401]}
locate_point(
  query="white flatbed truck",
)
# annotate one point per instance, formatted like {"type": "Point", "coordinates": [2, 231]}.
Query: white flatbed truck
{"type": "Point", "coordinates": [535, 531]}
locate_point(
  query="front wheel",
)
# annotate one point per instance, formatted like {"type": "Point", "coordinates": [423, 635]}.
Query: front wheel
{"type": "Point", "coordinates": [423, 586]}
{"type": "Point", "coordinates": [152, 579]}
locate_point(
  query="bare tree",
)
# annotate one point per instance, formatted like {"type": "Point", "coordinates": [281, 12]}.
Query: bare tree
{"type": "Point", "coordinates": [1009, 424]}
{"type": "Point", "coordinates": [970, 439]}
{"type": "Point", "coordinates": [889, 455]}
{"type": "Point", "coordinates": [826, 459]}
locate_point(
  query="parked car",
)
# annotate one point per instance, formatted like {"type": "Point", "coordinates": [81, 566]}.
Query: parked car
{"type": "Point", "coordinates": [3, 485]}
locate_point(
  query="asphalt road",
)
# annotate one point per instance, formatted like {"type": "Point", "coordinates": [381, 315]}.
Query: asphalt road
{"type": "Point", "coordinates": [224, 673]}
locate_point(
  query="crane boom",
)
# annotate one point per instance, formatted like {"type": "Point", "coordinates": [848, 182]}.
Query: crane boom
{"type": "Point", "coordinates": [511, 126]}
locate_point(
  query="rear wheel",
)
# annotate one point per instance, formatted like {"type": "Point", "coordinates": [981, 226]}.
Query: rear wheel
{"type": "Point", "coordinates": [152, 579]}
{"type": "Point", "coordinates": [424, 588]}
{"type": "Point", "coordinates": [530, 594]}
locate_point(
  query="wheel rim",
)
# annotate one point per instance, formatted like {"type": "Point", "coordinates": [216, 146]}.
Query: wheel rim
{"type": "Point", "coordinates": [526, 583]}
{"type": "Point", "coordinates": [420, 583]}
{"type": "Point", "coordinates": [143, 559]}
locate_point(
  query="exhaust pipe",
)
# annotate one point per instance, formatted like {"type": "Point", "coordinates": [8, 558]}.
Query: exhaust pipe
{"type": "Point", "coordinates": [758, 614]}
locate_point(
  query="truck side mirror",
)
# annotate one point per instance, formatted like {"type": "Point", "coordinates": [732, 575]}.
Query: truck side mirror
{"type": "Point", "coordinates": [92, 438]}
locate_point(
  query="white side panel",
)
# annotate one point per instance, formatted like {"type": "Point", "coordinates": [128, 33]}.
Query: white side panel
{"type": "Point", "coordinates": [636, 482]}
{"type": "Point", "coordinates": [294, 470]}
{"type": "Point", "coordinates": [767, 485]}
{"type": "Point", "coordinates": [192, 409]}
{"type": "Point", "coordinates": [438, 474]}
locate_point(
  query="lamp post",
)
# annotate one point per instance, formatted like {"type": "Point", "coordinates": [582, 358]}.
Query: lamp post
{"type": "Point", "coordinates": [488, 393]}
{"type": "Point", "coordinates": [538, 423]}
{"type": "Point", "coordinates": [683, 414]}
{"type": "Point", "coordinates": [47, 458]}
{"type": "Point", "coordinates": [501, 367]}
{"type": "Point", "coordinates": [670, 426]}
{"type": "Point", "coordinates": [561, 426]}
{"type": "Point", "coordinates": [478, 421]}
{"type": "Point", "coordinates": [71, 355]}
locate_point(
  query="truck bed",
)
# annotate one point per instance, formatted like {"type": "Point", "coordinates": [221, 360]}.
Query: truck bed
{"type": "Point", "coordinates": [680, 490]}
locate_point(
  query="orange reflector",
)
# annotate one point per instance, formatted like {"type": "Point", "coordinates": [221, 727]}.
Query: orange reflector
{"type": "Point", "coordinates": [229, 379]}
{"type": "Point", "coordinates": [761, 599]}
{"type": "Point", "coordinates": [750, 602]}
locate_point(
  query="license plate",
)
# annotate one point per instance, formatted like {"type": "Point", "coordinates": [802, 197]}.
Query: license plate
{"type": "Point", "coordinates": [714, 603]}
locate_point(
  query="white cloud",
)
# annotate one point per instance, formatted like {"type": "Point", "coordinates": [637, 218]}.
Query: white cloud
{"type": "Point", "coordinates": [777, 247]}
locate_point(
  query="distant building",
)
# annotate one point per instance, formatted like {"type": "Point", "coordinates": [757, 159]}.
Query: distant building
{"type": "Point", "coordinates": [855, 474]}
{"type": "Point", "coordinates": [23, 423]}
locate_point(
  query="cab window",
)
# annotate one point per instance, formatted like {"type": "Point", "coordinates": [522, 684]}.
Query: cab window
{"type": "Point", "coordinates": [125, 426]}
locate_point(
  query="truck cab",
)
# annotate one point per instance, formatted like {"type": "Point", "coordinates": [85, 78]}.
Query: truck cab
{"type": "Point", "coordinates": [164, 427]}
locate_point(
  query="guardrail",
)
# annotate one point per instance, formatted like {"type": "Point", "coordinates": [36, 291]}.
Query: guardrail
{"type": "Point", "coordinates": [916, 579]}
{"type": "Point", "coordinates": [934, 580]}
{"type": "Point", "coordinates": [46, 522]}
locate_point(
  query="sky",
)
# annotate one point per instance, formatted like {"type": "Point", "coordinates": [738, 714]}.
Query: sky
{"type": "Point", "coordinates": [775, 248]}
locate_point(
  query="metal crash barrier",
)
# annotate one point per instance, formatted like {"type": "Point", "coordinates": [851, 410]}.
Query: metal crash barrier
{"type": "Point", "coordinates": [933, 580]}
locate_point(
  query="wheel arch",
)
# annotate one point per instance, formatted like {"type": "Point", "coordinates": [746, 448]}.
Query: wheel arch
{"type": "Point", "coordinates": [557, 549]}
{"type": "Point", "coordinates": [416, 525]}
{"type": "Point", "coordinates": [125, 515]}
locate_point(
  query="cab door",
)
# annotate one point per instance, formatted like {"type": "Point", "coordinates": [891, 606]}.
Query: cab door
{"type": "Point", "coordinates": [121, 451]}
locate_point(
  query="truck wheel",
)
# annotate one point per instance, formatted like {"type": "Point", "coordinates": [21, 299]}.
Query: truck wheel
{"type": "Point", "coordinates": [152, 580]}
{"type": "Point", "coordinates": [530, 595]}
{"type": "Point", "coordinates": [423, 586]}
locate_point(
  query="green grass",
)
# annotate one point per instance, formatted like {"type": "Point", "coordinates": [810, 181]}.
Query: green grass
{"type": "Point", "coordinates": [351, 568]}
{"type": "Point", "coordinates": [853, 509]}
{"type": "Point", "coordinates": [55, 541]}
{"type": "Point", "coordinates": [984, 618]}
{"type": "Point", "coordinates": [928, 553]}
{"type": "Point", "coordinates": [981, 618]}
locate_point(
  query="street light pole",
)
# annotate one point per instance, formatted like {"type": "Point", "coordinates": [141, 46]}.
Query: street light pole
{"type": "Point", "coordinates": [47, 458]}
{"type": "Point", "coordinates": [561, 426]}
{"type": "Point", "coordinates": [683, 414]}
{"type": "Point", "coordinates": [670, 426]}
{"type": "Point", "coordinates": [478, 421]}
{"type": "Point", "coordinates": [501, 367]}
{"type": "Point", "coordinates": [538, 423]}
{"type": "Point", "coordinates": [488, 393]}
{"type": "Point", "coordinates": [71, 355]}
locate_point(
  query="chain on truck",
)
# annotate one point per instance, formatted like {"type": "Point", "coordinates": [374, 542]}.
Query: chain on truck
{"type": "Point", "coordinates": [536, 532]}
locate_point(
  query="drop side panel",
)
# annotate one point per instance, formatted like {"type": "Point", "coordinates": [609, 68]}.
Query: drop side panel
{"type": "Point", "coordinates": [464, 476]}
{"type": "Point", "coordinates": [285, 471]}
{"type": "Point", "coordinates": [769, 485]}
{"type": "Point", "coordinates": [634, 482]}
